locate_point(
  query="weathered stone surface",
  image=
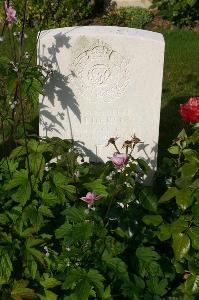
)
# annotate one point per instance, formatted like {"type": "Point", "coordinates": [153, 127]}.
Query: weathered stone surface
{"type": "Point", "coordinates": [106, 82]}
{"type": "Point", "coordinates": [126, 3]}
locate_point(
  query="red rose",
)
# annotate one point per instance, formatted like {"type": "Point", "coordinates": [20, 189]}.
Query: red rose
{"type": "Point", "coordinates": [190, 110]}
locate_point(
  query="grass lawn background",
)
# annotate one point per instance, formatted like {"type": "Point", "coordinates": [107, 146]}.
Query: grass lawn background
{"type": "Point", "coordinates": [181, 79]}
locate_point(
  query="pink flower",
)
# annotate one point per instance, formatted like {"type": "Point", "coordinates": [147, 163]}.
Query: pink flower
{"type": "Point", "coordinates": [10, 13]}
{"type": "Point", "coordinates": [119, 160]}
{"type": "Point", "coordinates": [190, 110]}
{"type": "Point", "coordinates": [90, 198]}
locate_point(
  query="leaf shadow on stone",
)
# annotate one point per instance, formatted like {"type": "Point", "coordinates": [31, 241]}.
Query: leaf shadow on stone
{"type": "Point", "coordinates": [57, 88]}
{"type": "Point", "coordinates": [154, 152]}
{"type": "Point", "coordinates": [92, 156]}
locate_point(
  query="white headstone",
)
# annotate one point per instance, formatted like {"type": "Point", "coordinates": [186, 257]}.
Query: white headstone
{"type": "Point", "coordinates": [106, 82]}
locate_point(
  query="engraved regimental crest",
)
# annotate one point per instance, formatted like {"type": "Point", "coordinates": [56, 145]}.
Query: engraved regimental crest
{"type": "Point", "coordinates": [97, 71]}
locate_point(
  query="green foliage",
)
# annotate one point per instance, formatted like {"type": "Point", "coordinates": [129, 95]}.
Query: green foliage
{"type": "Point", "coordinates": [136, 17]}
{"type": "Point", "coordinates": [56, 13]}
{"type": "Point", "coordinates": [129, 244]}
{"type": "Point", "coordinates": [181, 12]}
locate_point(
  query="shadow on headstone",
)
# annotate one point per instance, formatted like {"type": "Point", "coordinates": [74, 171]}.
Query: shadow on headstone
{"type": "Point", "coordinates": [56, 87]}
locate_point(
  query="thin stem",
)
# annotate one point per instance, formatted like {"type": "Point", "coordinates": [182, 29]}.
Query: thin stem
{"type": "Point", "coordinates": [23, 31]}
{"type": "Point", "coordinates": [26, 141]}
{"type": "Point", "coordinates": [116, 148]}
{"type": "Point", "coordinates": [18, 91]}
{"type": "Point", "coordinates": [11, 46]}
{"type": "Point", "coordinates": [14, 46]}
{"type": "Point", "coordinates": [4, 144]}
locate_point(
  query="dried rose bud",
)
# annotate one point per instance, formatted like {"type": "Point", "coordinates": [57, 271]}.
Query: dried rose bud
{"type": "Point", "coordinates": [111, 141]}
{"type": "Point", "coordinates": [135, 140]}
{"type": "Point", "coordinates": [177, 141]}
{"type": "Point", "coordinates": [127, 144]}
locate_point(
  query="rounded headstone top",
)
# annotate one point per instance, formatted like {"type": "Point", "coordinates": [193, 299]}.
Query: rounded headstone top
{"type": "Point", "coordinates": [104, 31]}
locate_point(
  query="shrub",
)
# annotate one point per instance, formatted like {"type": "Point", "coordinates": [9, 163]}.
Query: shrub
{"type": "Point", "coordinates": [181, 12]}
{"type": "Point", "coordinates": [55, 13]}
{"type": "Point", "coordinates": [136, 17]}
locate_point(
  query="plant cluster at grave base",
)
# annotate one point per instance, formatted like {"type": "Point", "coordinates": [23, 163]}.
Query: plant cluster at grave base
{"type": "Point", "coordinates": [83, 231]}
{"type": "Point", "coordinates": [181, 12]}
{"type": "Point", "coordinates": [136, 17]}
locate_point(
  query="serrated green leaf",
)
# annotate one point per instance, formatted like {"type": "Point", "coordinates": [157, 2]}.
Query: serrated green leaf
{"type": "Point", "coordinates": [191, 155]}
{"type": "Point", "coordinates": [192, 284]}
{"type": "Point", "coordinates": [3, 219]}
{"type": "Point", "coordinates": [191, 2]}
{"type": "Point", "coordinates": [20, 180]}
{"type": "Point", "coordinates": [195, 210]}
{"type": "Point", "coordinates": [168, 195]}
{"type": "Point", "coordinates": [96, 186]}
{"type": "Point", "coordinates": [117, 265]}
{"type": "Point", "coordinates": [182, 134]}
{"type": "Point", "coordinates": [179, 225]}
{"type": "Point", "coordinates": [174, 150]}
{"type": "Point", "coordinates": [60, 180]}
{"type": "Point", "coordinates": [22, 194]}
{"type": "Point", "coordinates": [184, 199]}
{"type": "Point", "coordinates": [164, 232]}
{"type": "Point", "coordinates": [96, 279]}
{"type": "Point", "coordinates": [45, 211]}
{"type": "Point", "coordinates": [181, 245]}
{"type": "Point", "coordinates": [195, 184]}
{"type": "Point", "coordinates": [20, 291]}
{"type": "Point", "coordinates": [183, 182]}
{"type": "Point", "coordinates": [72, 277]}
{"type": "Point", "coordinates": [189, 169]}
{"type": "Point", "coordinates": [107, 294]}
{"type": "Point", "coordinates": [63, 230]}
{"type": "Point", "coordinates": [71, 297]}
{"type": "Point", "coordinates": [38, 255]}
{"type": "Point", "coordinates": [83, 289]}
{"type": "Point", "coordinates": [194, 236]}
{"type": "Point", "coordinates": [49, 282]}
{"type": "Point", "coordinates": [139, 282]}
{"type": "Point", "coordinates": [75, 214]}
{"type": "Point", "coordinates": [32, 266]}
{"type": "Point", "coordinates": [143, 165]}
{"type": "Point", "coordinates": [5, 264]}
{"type": "Point", "coordinates": [152, 220]}
{"type": "Point", "coordinates": [17, 152]}
{"type": "Point", "coordinates": [79, 233]}
{"type": "Point", "coordinates": [148, 199]}
{"type": "Point", "coordinates": [37, 164]}
{"type": "Point", "coordinates": [49, 295]}
{"type": "Point", "coordinates": [156, 286]}
{"type": "Point", "coordinates": [147, 254]}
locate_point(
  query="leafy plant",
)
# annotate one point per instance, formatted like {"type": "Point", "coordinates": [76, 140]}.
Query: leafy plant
{"type": "Point", "coordinates": [55, 13]}
{"type": "Point", "coordinates": [90, 231]}
{"type": "Point", "coordinates": [181, 12]}
{"type": "Point", "coordinates": [136, 17]}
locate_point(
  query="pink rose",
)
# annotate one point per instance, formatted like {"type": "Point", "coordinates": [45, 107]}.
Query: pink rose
{"type": "Point", "coordinates": [10, 13]}
{"type": "Point", "coordinates": [119, 160]}
{"type": "Point", "coordinates": [190, 110]}
{"type": "Point", "coordinates": [90, 198]}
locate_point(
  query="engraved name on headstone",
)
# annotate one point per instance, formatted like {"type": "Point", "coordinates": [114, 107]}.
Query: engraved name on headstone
{"type": "Point", "coordinates": [105, 82]}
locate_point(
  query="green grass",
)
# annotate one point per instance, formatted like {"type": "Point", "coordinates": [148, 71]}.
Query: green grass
{"type": "Point", "coordinates": [181, 78]}
{"type": "Point", "coordinates": [181, 81]}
